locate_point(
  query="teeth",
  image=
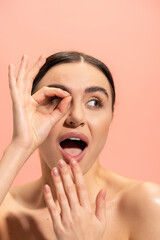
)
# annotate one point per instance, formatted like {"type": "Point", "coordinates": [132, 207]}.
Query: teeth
{"type": "Point", "coordinates": [73, 138]}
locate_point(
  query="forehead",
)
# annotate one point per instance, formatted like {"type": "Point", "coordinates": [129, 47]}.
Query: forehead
{"type": "Point", "coordinates": [75, 76]}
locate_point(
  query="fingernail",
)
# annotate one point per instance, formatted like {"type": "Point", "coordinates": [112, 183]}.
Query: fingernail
{"type": "Point", "coordinates": [62, 163]}
{"type": "Point", "coordinates": [66, 93]}
{"type": "Point", "coordinates": [74, 163]}
{"type": "Point", "coordinates": [10, 65]}
{"type": "Point", "coordinates": [24, 56]}
{"type": "Point", "coordinates": [46, 188]}
{"type": "Point", "coordinates": [55, 171]}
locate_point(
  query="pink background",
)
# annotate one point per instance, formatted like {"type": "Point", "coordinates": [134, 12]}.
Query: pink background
{"type": "Point", "coordinates": [125, 35]}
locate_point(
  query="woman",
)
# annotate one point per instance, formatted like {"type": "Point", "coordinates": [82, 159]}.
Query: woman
{"type": "Point", "coordinates": [66, 112]}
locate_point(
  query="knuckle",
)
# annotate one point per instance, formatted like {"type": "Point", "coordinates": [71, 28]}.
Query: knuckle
{"type": "Point", "coordinates": [81, 187]}
{"type": "Point", "coordinates": [61, 197]}
{"type": "Point", "coordinates": [70, 188]}
{"type": "Point", "coordinates": [69, 223]}
{"type": "Point", "coordinates": [77, 214]}
{"type": "Point", "coordinates": [52, 208]}
{"type": "Point", "coordinates": [59, 230]}
{"type": "Point", "coordinates": [43, 89]}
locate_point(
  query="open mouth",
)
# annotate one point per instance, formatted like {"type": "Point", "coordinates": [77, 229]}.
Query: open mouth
{"type": "Point", "coordinates": [73, 146]}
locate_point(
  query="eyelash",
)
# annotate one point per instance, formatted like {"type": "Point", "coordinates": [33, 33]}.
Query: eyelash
{"type": "Point", "coordinates": [98, 101]}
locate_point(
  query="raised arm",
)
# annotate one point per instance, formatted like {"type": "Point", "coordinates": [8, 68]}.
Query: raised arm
{"type": "Point", "coordinates": [30, 126]}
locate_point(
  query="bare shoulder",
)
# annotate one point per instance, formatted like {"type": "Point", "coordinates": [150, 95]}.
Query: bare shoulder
{"type": "Point", "coordinates": [7, 208]}
{"type": "Point", "coordinates": [141, 194]}
{"type": "Point", "coordinates": [14, 208]}
{"type": "Point", "coordinates": [134, 192]}
{"type": "Point", "coordinates": [137, 205]}
{"type": "Point", "coordinates": [17, 197]}
{"type": "Point", "coordinates": [140, 203]}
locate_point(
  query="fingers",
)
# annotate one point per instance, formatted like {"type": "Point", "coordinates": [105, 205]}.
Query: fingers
{"type": "Point", "coordinates": [44, 92]}
{"type": "Point", "coordinates": [51, 205]}
{"type": "Point", "coordinates": [66, 191]}
{"type": "Point", "coordinates": [55, 110]}
{"type": "Point", "coordinates": [68, 185]}
{"type": "Point", "coordinates": [70, 194]}
{"type": "Point", "coordinates": [80, 185]}
{"type": "Point", "coordinates": [33, 72]}
{"type": "Point", "coordinates": [25, 79]}
{"type": "Point", "coordinates": [60, 194]}
{"type": "Point", "coordinates": [22, 71]}
{"type": "Point", "coordinates": [61, 109]}
{"type": "Point", "coordinates": [12, 81]}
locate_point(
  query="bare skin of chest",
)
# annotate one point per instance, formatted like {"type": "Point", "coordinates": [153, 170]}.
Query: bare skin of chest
{"type": "Point", "coordinates": [37, 225]}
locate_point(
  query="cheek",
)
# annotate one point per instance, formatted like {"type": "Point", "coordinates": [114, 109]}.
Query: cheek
{"type": "Point", "coordinates": [101, 121]}
{"type": "Point", "coordinates": [100, 128]}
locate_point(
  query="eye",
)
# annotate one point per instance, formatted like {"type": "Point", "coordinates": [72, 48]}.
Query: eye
{"type": "Point", "coordinates": [95, 103]}
{"type": "Point", "coordinates": [55, 101]}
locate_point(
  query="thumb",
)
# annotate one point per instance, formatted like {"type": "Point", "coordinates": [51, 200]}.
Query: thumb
{"type": "Point", "coordinates": [64, 105]}
{"type": "Point", "coordinates": [100, 210]}
{"type": "Point", "coordinates": [61, 109]}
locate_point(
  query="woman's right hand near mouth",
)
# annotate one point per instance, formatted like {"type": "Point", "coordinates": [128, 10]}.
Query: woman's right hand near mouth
{"type": "Point", "coordinates": [31, 126]}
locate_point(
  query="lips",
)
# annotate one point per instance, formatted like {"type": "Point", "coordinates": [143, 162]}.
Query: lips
{"type": "Point", "coordinates": [73, 145]}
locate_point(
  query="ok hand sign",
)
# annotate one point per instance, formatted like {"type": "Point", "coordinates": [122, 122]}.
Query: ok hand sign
{"type": "Point", "coordinates": [31, 126]}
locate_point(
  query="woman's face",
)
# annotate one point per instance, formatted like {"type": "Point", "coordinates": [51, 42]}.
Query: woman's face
{"type": "Point", "coordinates": [88, 117]}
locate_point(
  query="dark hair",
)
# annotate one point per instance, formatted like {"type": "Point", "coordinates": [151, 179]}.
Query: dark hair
{"type": "Point", "coordinates": [74, 56]}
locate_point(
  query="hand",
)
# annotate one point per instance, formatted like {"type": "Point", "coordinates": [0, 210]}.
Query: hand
{"type": "Point", "coordinates": [31, 126]}
{"type": "Point", "coordinates": [76, 220]}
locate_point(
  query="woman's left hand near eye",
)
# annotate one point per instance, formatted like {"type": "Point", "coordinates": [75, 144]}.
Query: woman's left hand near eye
{"type": "Point", "coordinates": [76, 219]}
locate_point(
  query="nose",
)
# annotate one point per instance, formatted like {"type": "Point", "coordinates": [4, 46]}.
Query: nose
{"type": "Point", "coordinates": [76, 116]}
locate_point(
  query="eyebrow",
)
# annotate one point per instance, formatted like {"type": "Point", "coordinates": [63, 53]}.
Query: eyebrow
{"type": "Point", "coordinates": [87, 90]}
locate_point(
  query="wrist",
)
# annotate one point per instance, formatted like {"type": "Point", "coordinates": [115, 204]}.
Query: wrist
{"type": "Point", "coordinates": [15, 148]}
{"type": "Point", "coordinates": [21, 146]}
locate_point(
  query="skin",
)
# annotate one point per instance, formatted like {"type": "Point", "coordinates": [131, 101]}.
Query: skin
{"type": "Point", "coordinates": [70, 205]}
